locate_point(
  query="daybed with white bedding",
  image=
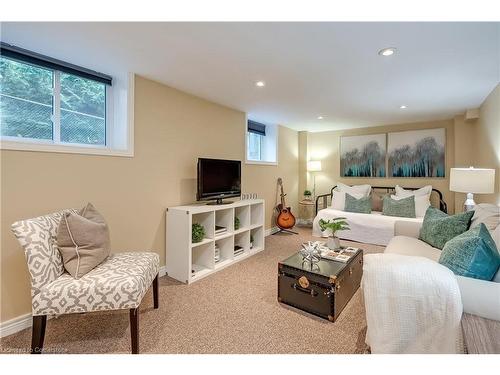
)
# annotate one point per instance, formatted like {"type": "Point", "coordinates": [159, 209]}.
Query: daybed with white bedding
{"type": "Point", "coordinates": [373, 228]}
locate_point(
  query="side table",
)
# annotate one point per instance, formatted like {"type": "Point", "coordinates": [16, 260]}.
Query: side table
{"type": "Point", "coordinates": [306, 212]}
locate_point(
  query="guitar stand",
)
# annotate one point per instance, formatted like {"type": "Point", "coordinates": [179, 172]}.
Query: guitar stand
{"type": "Point", "coordinates": [288, 231]}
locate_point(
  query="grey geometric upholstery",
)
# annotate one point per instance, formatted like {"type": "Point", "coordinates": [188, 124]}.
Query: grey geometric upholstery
{"type": "Point", "coordinates": [120, 282]}
{"type": "Point", "coordinates": [37, 236]}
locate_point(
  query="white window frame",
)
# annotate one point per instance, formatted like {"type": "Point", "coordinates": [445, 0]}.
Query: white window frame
{"type": "Point", "coordinates": [119, 137]}
{"type": "Point", "coordinates": [269, 146]}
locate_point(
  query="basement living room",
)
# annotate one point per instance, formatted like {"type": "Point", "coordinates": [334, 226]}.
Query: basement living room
{"type": "Point", "coordinates": [244, 190]}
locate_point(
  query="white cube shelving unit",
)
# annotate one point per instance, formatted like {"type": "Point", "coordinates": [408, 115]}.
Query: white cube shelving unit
{"type": "Point", "coordinates": [187, 261]}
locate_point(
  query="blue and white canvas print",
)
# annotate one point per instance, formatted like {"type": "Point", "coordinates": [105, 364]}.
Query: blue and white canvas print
{"type": "Point", "coordinates": [417, 153]}
{"type": "Point", "coordinates": [363, 155]}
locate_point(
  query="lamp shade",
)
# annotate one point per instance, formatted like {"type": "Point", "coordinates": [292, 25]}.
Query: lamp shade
{"type": "Point", "coordinates": [314, 166]}
{"type": "Point", "coordinates": [472, 180]}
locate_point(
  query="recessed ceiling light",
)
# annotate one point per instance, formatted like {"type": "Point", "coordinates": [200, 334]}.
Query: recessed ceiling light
{"type": "Point", "coordinates": [387, 51]}
{"type": "Point", "coordinates": [402, 107]}
{"type": "Point", "coordinates": [320, 117]}
{"type": "Point", "coordinates": [260, 83]}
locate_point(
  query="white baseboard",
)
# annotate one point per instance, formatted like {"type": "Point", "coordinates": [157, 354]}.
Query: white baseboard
{"type": "Point", "coordinates": [15, 325]}
{"type": "Point", "coordinates": [270, 231]}
{"type": "Point", "coordinates": [163, 271]}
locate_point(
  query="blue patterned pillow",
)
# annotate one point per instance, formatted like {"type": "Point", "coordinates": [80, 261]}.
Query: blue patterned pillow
{"type": "Point", "coordinates": [399, 207]}
{"type": "Point", "coordinates": [472, 254]}
{"type": "Point", "coordinates": [438, 227]}
{"type": "Point", "coordinates": [361, 205]}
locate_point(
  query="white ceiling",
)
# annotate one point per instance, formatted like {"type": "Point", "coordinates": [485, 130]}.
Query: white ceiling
{"type": "Point", "coordinates": [310, 69]}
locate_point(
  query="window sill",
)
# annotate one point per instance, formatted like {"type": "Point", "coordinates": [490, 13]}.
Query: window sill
{"type": "Point", "coordinates": [61, 148]}
{"type": "Point", "coordinates": [257, 162]}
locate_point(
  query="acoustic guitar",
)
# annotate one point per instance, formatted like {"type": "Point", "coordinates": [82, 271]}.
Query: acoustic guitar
{"type": "Point", "coordinates": [285, 219]}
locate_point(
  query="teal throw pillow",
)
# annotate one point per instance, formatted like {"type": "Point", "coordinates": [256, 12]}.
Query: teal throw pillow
{"type": "Point", "coordinates": [361, 205]}
{"type": "Point", "coordinates": [472, 254]}
{"type": "Point", "coordinates": [438, 227]}
{"type": "Point", "coordinates": [402, 208]}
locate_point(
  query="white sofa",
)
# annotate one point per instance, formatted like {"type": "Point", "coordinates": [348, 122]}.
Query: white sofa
{"type": "Point", "coordinates": [479, 297]}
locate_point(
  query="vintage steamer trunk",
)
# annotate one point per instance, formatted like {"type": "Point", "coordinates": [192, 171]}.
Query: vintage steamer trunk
{"type": "Point", "coordinates": [323, 290]}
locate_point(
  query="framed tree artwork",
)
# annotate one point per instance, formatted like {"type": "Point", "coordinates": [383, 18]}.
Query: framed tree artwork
{"type": "Point", "coordinates": [417, 153]}
{"type": "Point", "coordinates": [363, 155]}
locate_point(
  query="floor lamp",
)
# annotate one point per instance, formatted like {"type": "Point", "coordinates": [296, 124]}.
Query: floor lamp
{"type": "Point", "coordinates": [314, 166]}
{"type": "Point", "coordinates": [472, 180]}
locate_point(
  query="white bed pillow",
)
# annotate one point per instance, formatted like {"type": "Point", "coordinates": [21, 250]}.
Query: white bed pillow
{"type": "Point", "coordinates": [364, 190]}
{"type": "Point", "coordinates": [403, 193]}
{"type": "Point", "coordinates": [338, 199]}
{"type": "Point", "coordinates": [422, 203]}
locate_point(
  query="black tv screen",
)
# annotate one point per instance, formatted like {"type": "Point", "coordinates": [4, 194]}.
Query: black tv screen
{"type": "Point", "coordinates": [218, 178]}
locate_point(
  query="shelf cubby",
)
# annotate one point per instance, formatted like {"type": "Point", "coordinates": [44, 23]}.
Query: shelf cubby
{"type": "Point", "coordinates": [206, 219]}
{"type": "Point", "coordinates": [202, 259]}
{"type": "Point", "coordinates": [225, 218]}
{"type": "Point", "coordinates": [226, 247]}
{"type": "Point", "coordinates": [258, 238]}
{"type": "Point", "coordinates": [243, 214]}
{"type": "Point", "coordinates": [257, 214]}
{"type": "Point", "coordinates": [243, 239]}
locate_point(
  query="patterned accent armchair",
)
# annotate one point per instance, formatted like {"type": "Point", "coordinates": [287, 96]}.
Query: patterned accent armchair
{"type": "Point", "coordinates": [120, 282]}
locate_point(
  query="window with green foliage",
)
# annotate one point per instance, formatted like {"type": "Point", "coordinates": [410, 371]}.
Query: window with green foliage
{"type": "Point", "coordinates": [37, 103]}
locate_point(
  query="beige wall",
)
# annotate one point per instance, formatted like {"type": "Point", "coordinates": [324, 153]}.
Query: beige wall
{"type": "Point", "coordinates": [477, 143]}
{"type": "Point", "coordinates": [172, 129]}
{"type": "Point", "coordinates": [488, 141]}
{"type": "Point", "coordinates": [325, 146]}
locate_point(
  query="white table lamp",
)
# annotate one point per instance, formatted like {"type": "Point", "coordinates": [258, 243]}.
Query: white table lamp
{"type": "Point", "coordinates": [314, 166]}
{"type": "Point", "coordinates": [472, 181]}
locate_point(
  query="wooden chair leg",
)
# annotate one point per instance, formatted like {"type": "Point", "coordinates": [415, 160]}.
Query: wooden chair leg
{"type": "Point", "coordinates": [38, 333]}
{"type": "Point", "coordinates": [134, 330]}
{"type": "Point", "coordinates": [155, 292]}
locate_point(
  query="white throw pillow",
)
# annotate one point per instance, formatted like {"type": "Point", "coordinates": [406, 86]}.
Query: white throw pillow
{"type": "Point", "coordinates": [364, 190]}
{"type": "Point", "coordinates": [426, 190]}
{"type": "Point", "coordinates": [338, 199]}
{"type": "Point", "coordinates": [422, 203]}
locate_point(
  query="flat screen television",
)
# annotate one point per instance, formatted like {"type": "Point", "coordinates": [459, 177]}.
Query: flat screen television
{"type": "Point", "coordinates": [218, 179]}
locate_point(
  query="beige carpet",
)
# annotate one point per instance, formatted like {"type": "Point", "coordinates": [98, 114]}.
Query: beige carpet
{"type": "Point", "coordinates": [232, 311]}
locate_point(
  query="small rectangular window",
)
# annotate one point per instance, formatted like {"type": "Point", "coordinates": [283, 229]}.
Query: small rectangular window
{"type": "Point", "coordinates": [254, 147]}
{"type": "Point", "coordinates": [261, 143]}
{"type": "Point", "coordinates": [48, 100]}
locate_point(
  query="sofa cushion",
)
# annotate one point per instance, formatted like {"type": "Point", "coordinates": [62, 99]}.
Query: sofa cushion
{"type": "Point", "coordinates": [412, 246]}
{"type": "Point", "coordinates": [422, 203]}
{"type": "Point", "coordinates": [426, 190]}
{"type": "Point", "coordinates": [338, 199]}
{"type": "Point", "coordinates": [404, 207]}
{"type": "Point", "coordinates": [438, 227]}
{"type": "Point", "coordinates": [83, 240]}
{"type": "Point", "coordinates": [120, 282]}
{"type": "Point", "coordinates": [356, 189]}
{"type": "Point", "coordinates": [361, 205]}
{"type": "Point", "coordinates": [377, 201]}
{"type": "Point", "coordinates": [472, 254]}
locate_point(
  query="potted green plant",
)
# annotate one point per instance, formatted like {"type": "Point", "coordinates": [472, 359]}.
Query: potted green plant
{"type": "Point", "coordinates": [197, 232]}
{"type": "Point", "coordinates": [307, 194]}
{"type": "Point", "coordinates": [329, 229]}
{"type": "Point", "coordinates": [236, 223]}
